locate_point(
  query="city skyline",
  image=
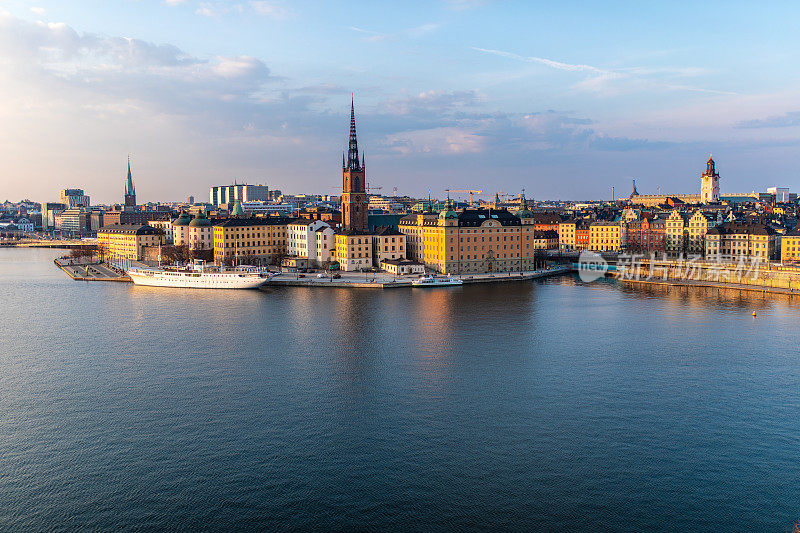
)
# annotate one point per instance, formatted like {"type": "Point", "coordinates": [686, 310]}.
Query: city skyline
{"type": "Point", "coordinates": [456, 95]}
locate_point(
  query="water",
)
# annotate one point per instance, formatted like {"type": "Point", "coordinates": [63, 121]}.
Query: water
{"type": "Point", "coordinates": [551, 405]}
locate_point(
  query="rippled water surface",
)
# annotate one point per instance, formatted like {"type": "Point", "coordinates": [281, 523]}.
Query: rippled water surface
{"type": "Point", "coordinates": [552, 405]}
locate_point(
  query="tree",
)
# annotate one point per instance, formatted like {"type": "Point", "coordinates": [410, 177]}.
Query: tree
{"type": "Point", "coordinates": [205, 255]}
{"type": "Point", "coordinates": [83, 252]}
{"type": "Point", "coordinates": [277, 259]}
{"type": "Point", "coordinates": [175, 254]}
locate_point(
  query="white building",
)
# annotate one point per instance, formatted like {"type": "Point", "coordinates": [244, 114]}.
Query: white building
{"type": "Point", "coordinates": [180, 230]}
{"type": "Point", "coordinates": [401, 267]}
{"type": "Point", "coordinates": [709, 184]}
{"type": "Point", "coordinates": [201, 233]}
{"type": "Point", "coordinates": [311, 239]}
{"type": "Point", "coordinates": [165, 225]}
{"type": "Point", "coordinates": [267, 208]}
{"type": "Point", "coordinates": [228, 194]}
{"type": "Point", "coordinates": [781, 194]}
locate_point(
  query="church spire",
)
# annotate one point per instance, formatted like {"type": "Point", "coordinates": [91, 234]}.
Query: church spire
{"type": "Point", "coordinates": [130, 190]}
{"type": "Point", "coordinates": [352, 149]}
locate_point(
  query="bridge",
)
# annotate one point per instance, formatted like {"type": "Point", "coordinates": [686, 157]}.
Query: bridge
{"type": "Point", "coordinates": [39, 242]}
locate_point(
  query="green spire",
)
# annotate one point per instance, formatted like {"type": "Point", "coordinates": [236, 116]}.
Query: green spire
{"type": "Point", "coordinates": [237, 209]}
{"type": "Point", "coordinates": [129, 188]}
{"type": "Point", "coordinates": [524, 212]}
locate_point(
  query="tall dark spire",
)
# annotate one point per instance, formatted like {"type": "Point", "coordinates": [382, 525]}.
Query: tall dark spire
{"type": "Point", "coordinates": [710, 166]}
{"type": "Point", "coordinates": [129, 188]}
{"type": "Point", "coordinates": [352, 149]}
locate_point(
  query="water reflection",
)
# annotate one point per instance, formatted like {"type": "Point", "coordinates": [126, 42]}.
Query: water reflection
{"type": "Point", "coordinates": [553, 405]}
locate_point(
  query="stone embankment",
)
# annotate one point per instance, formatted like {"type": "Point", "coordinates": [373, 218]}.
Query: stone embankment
{"type": "Point", "coordinates": [757, 277]}
{"type": "Point", "coordinates": [381, 280]}
{"type": "Point", "coordinates": [82, 271]}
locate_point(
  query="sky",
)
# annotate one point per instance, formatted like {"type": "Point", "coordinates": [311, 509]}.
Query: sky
{"type": "Point", "coordinates": [561, 99]}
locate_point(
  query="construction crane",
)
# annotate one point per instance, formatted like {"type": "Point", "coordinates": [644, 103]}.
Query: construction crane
{"type": "Point", "coordinates": [468, 191]}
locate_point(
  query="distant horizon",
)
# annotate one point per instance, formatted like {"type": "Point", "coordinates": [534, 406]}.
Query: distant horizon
{"type": "Point", "coordinates": [564, 101]}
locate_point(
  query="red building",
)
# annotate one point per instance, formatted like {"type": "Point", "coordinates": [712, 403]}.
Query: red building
{"type": "Point", "coordinates": [582, 235]}
{"type": "Point", "coordinates": [645, 235]}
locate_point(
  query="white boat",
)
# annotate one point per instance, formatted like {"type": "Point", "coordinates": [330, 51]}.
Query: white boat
{"type": "Point", "coordinates": [199, 276]}
{"type": "Point", "coordinates": [433, 281]}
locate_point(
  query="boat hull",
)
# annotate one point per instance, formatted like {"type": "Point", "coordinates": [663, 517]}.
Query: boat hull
{"type": "Point", "coordinates": [205, 280]}
{"type": "Point", "coordinates": [438, 283]}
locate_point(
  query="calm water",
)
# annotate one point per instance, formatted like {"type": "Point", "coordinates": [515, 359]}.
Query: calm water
{"type": "Point", "coordinates": [553, 405]}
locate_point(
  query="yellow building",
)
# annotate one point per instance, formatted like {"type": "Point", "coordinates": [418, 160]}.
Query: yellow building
{"type": "Point", "coordinates": [698, 225]}
{"type": "Point", "coordinates": [545, 240]}
{"type": "Point", "coordinates": [676, 233]}
{"type": "Point", "coordinates": [353, 250]}
{"type": "Point", "coordinates": [790, 246]}
{"type": "Point", "coordinates": [262, 239]}
{"type": "Point", "coordinates": [733, 241]}
{"type": "Point", "coordinates": [127, 241]}
{"type": "Point", "coordinates": [472, 241]}
{"type": "Point", "coordinates": [387, 244]}
{"type": "Point", "coordinates": [566, 235]}
{"type": "Point", "coordinates": [605, 236]}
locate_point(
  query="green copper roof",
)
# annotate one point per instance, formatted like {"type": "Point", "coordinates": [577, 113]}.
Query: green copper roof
{"type": "Point", "coordinates": [448, 212]}
{"type": "Point", "coordinates": [200, 220]}
{"type": "Point", "coordinates": [182, 220]}
{"type": "Point", "coordinates": [524, 212]}
{"type": "Point", "coordinates": [237, 209]}
{"type": "Point", "coordinates": [130, 190]}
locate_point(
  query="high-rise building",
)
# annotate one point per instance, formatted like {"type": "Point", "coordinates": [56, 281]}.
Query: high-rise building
{"type": "Point", "coordinates": [228, 194]}
{"type": "Point", "coordinates": [709, 184]}
{"type": "Point", "coordinates": [74, 198]}
{"type": "Point", "coordinates": [354, 192]}
{"type": "Point", "coordinates": [130, 190]}
{"type": "Point", "coordinates": [49, 212]}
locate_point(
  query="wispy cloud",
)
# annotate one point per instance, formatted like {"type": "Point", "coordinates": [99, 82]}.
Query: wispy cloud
{"type": "Point", "coordinates": [271, 9]}
{"type": "Point", "coordinates": [787, 120]}
{"type": "Point", "coordinates": [415, 32]}
{"type": "Point", "coordinates": [601, 79]}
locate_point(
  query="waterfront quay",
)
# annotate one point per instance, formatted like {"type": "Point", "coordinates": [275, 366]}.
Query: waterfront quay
{"type": "Point", "coordinates": [89, 271]}
{"type": "Point", "coordinates": [381, 280]}
{"type": "Point", "coordinates": [754, 275]}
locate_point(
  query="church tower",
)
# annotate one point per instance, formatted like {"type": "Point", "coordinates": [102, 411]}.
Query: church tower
{"type": "Point", "coordinates": [130, 190]}
{"type": "Point", "coordinates": [354, 191]}
{"type": "Point", "coordinates": [709, 184]}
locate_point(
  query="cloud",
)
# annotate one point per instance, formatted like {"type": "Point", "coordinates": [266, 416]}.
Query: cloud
{"type": "Point", "coordinates": [787, 120]}
{"type": "Point", "coordinates": [412, 33]}
{"type": "Point", "coordinates": [614, 81]}
{"type": "Point", "coordinates": [218, 8]}
{"type": "Point", "coordinates": [270, 9]}
{"type": "Point", "coordinates": [448, 141]}
{"type": "Point", "coordinates": [436, 103]}
{"type": "Point", "coordinates": [38, 10]}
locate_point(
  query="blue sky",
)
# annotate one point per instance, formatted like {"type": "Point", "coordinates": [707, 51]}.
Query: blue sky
{"type": "Point", "coordinates": [564, 99]}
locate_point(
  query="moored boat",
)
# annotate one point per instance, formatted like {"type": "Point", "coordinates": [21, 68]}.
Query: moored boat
{"type": "Point", "coordinates": [199, 276]}
{"type": "Point", "coordinates": [434, 281]}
